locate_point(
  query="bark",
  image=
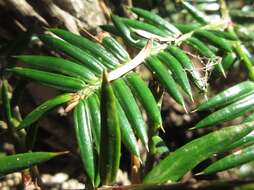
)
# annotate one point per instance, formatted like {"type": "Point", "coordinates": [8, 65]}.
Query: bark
{"type": "Point", "coordinates": [72, 15]}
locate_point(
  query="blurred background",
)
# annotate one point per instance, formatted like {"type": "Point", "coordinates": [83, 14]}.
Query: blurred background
{"type": "Point", "coordinates": [21, 20]}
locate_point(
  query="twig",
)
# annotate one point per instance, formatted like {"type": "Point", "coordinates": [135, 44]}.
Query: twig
{"type": "Point", "coordinates": [135, 170]}
{"type": "Point", "coordinates": [239, 48]}
{"type": "Point", "coordinates": [105, 9]}
{"type": "Point", "coordinates": [144, 53]}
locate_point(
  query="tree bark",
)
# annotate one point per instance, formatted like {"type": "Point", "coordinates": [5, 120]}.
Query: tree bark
{"type": "Point", "coordinates": [72, 15]}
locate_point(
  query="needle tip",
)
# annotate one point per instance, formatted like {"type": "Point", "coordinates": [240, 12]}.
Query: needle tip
{"type": "Point", "coordinates": [192, 128]}
{"type": "Point", "coordinates": [198, 174]}
{"type": "Point", "coordinates": [195, 110]}
{"type": "Point", "coordinates": [185, 109]}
